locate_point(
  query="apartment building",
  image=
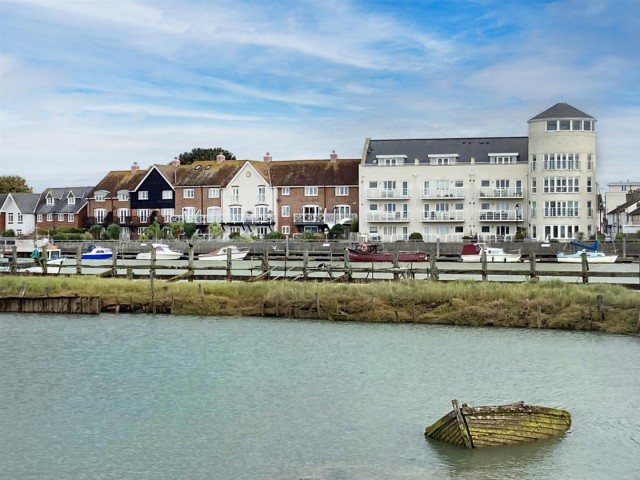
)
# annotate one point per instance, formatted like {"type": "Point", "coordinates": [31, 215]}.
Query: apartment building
{"type": "Point", "coordinates": [539, 186]}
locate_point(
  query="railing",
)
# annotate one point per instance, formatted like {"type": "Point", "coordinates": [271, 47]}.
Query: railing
{"type": "Point", "coordinates": [450, 216]}
{"type": "Point", "coordinates": [457, 192]}
{"type": "Point", "coordinates": [387, 217]}
{"type": "Point", "coordinates": [386, 193]}
{"type": "Point", "coordinates": [246, 218]}
{"type": "Point", "coordinates": [322, 218]}
{"type": "Point", "coordinates": [500, 215]}
{"type": "Point", "coordinates": [513, 192]}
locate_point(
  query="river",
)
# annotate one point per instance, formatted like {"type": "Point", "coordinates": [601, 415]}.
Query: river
{"type": "Point", "coordinates": [142, 397]}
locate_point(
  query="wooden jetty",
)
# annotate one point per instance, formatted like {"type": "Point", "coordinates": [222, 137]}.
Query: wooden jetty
{"type": "Point", "coordinates": [476, 427]}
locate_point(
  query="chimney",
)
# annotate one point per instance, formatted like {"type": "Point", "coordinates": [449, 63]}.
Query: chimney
{"type": "Point", "coordinates": [220, 158]}
{"type": "Point", "coordinates": [333, 157]}
{"type": "Point", "coordinates": [135, 167]}
{"type": "Point", "coordinates": [267, 158]}
{"type": "Point", "coordinates": [175, 162]}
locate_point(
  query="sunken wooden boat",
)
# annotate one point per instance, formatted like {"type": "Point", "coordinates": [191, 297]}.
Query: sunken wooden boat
{"type": "Point", "coordinates": [476, 427]}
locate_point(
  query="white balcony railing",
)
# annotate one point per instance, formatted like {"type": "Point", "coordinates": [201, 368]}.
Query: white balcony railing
{"type": "Point", "coordinates": [322, 218]}
{"type": "Point", "coordinates": [457, 192]}
{"type": "Point", "coordinates": [500, 215]}
{"type": "Point", "coordinates": [387, 217]}
{"type": "Point", "coordinates": [450, 216]}
{"type": "Point", "coordinates": [512, 192]}
{"type": "Point", "coordinates": [385, 193]}
{"type": "Point", "coordinates": [236, 218]}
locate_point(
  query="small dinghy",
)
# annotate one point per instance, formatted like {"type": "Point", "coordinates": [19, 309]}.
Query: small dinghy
{"type": "Point", "coordinates": [475, 427]}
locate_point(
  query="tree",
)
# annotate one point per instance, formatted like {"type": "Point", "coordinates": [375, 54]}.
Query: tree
{"type": "Point", "coordinates": [96, 231]}
{"type": "Point", "coordinates": [153, 231]}
{"type": "Point", "coordinates": [215, 230]}
{"type": "Point", "coordinates": [14, 184]}
{"type": "Point", "coordinates": [113, 231]}
{"type": "Point", "coordinates": [188, 158]}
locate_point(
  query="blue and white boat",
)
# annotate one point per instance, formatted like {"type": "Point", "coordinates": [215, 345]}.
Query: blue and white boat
{"type": "Point", "coordinates": [97, 253]}
{"type": "Point", "coordinates": [590, 251]}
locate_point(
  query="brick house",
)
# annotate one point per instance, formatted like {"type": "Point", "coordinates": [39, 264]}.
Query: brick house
{"type": "Point", "coordinates": [62, 208]}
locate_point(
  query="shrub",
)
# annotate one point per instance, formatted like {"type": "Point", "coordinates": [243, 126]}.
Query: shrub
{"type": "Point", "coordinates": [415, 236]}
{"type": "Point", "coordinates": [8, 233]}
{"type": "Point", "coordinates": [275, 235]}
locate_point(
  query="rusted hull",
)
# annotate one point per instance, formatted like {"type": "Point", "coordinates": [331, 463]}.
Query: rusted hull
{"type": "Point", "coordinates": [476, 427]}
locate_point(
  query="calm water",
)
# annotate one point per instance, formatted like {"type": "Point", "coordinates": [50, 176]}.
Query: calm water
{"type": "Point", "coordinates": [135, 397]}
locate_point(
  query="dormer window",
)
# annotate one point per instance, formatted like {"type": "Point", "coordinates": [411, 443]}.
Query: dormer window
{"type": "Point", "coordinates": [71, 200]}
{"type": "Point", "coordinates": [443, 159]}
{"type": "Point", "coordinates": [123, 195]}
{"type": "Point", "coordinates": [503, 158]}
{"type": "Point", "coordinates": [391, 160]}
{"type": "Point", "coordinates": [49, 199]}
{"type": "Point", "coordinates": [100, 196]}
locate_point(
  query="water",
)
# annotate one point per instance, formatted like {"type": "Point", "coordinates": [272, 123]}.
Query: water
{"type": "Point", "coordinates": [138, 397]}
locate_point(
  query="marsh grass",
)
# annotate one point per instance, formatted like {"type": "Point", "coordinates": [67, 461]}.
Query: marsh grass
{"type": "Point", "coordinates": [551, 304]}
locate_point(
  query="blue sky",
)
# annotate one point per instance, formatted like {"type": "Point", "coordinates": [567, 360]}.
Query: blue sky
{"type": "Point", "coordinates": [89, 86]}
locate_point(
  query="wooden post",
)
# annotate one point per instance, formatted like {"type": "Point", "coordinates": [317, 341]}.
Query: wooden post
{"type": "Point", "coordinates": [437, 247]}
{"type": "Point", "coordinates": [79, 260]}
{"type": "Point", "coordinates": [190, 262]}
{"type": "Point", "coordinates": [305, 264]}
{"type": "Point", "coordinates": [347, 265]}
{"type": "Point", "coordinates": [318, 304]}
{"type": "Point", "coordinates": [229, 276]}
{"type": "Point", "coordinates": [533, 275]}
{"type": "Point", "coordinates": [435, 275]}
{"type": "Point", "coordinates": [265, 260]}
{"type": "Point", "coordinates": [585, 268]}
{"type": "Point", "coordinates": [484, 265]}
{"type": "Point", "coordinates": [638, 324]}
{"type": "Point", "coordinates": [14, 260]}
{"type": "Point", "coordinates": [114, 262]}
{"type": "Point", "coordinates": [624, 247]}
{"type": "Point", "coordinates": [152, 274]}
{"type": "Point", "coordinates": [396, 274]}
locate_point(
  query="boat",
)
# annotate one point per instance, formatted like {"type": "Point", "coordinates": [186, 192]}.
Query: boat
{"type": "Point", "coordinates": [591, 252]}
{"type": "Point", "coordinates": [97, 253]}
{"type": "Point", "coordinates": [54, 259]}
{"type": "Point", "coordinates": [163, 252]}
{"type": "Point", "coordinates": [223, 253]}
{"type": "Point", "coordinates": [476, 427]}
{"type": "Point", "coordinates": [472, 252]}
{"type": "Point", "coordinates": [368, 252]}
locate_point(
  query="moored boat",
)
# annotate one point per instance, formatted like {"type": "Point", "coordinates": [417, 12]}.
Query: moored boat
{"type": "Point", "coordinates": [223, 253]}
{"type": "Point", "coordinates": [490, 426]}
{"type": "Point", "coordinates": [590, 251]}
{"type": "Point", "coordinates": [472, 252]}
{"type": "Point", "coordinates": [97, 252]}
{"type": "Point", "coordinates": [368, 252]}
{"type": "Point", "coordinates": [163, 252]}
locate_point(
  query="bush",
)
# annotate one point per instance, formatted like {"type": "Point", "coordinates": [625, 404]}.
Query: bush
{"type": "Point", "coordinates": [275, 235]}
{"type": "Point", "coordinates": [234, 235]}
{"type": "Point", "coordinates": [113, 231]}
{"type": "Point", "coordinates": [8, 233]}
{"type": "Point", "coordinates": [96, 231]}
{"type": "Point", "coordinates": [415, 236]}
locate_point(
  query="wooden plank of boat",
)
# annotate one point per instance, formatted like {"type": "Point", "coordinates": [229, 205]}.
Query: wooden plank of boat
{"type": "Point", "coordinates": [474, 427]}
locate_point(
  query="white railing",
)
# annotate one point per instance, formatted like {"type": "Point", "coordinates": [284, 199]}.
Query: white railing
{"type": "Point", "coordinates": [450, 216]}
{"type": "Point", "coordinates": [387, 217]}
{"type": "Point", "coordinates": [236, 218]}
{"type": "Point", "coordinates": [500, 215]}
{"type": "Point", "coordinates": [512, 192]}
{"type": "Point", "coordinates": [457, 192]}
{"type": "Point", "coordinates": [385, 193]}
{"type": "Point", "coordinates": [322, 218]}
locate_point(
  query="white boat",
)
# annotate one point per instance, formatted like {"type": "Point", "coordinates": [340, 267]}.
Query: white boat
{"type": "Point", "coordinates": [472, 252]}
{"type": "Point", "coordinates": [590, 251]}
{"type": "Point", "coordinates": [54, 259]}
{"type": "Point", "coordinates": [222, 253]}
{"type": "Point", "coordinates": [97, 253]}
{"type": "Point", "coordinates": [163, 252]}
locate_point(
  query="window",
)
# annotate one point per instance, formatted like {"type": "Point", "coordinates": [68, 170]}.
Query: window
{"type": "Point", "coordinates": [561, 209]}
{"type": "Point", "coordinates": [143, 215]}
{"type": "Point", "coordinates": [565, 125]}
{"type": "Point", "coordinates": [235, 194]}
{"type": "Point", "coordinates": [70, 218]}
{"type": "Point", "coordinates": [20, 218]}
{"type": "Point", "coordinates": [573, 125]}
{"type": "Point", "coordinates": [589, 186]}
{"type": "Point", "coordinates": [589, 162]}
{"type": "Point", "coordinates": [235, 214]}
{"type": "Point", "coordinates": [310, 191]}
{"type": "Point", "coordinates": [167, 194]}
{"type": "Point", "coordinates": [373, 207]}
{"type": "Point", "coordinates": [503, 158]}
{"type": "Point", "coordinates": [552, 125]}
{"type": "Point", "coordinates": [459, 184]}
{"type": "Point", "coordinates": [141, 230]}
{"type": "Point", "coordinates": [589, 209]}
{"type": "Point", "coordinates": [188, 193]}
{"type": "Point", "coordinates": [9, 217]}
{"type": "Point", "coordinates": [286, 229]}
{"type": "Point", "coordinates": [143, 195]}
{"type": "Point", "coordinates": [189, 214]}
{"type": "Point", "coordinates": [533, 210]}
{"type": "Point", "coordinates": [561, 161]}
{"type": "Point", "coordinates": [561, 184]}
{"type": "Point", "coordinates": [49, 199]}
{"type": "Point", "coordinates": [533, 163]}
{"type": "Point", "coordinates": [534, 185]}
{"type": "Point", "coordinates": [123, 213]}
{"type": "Point", "coordinates": [39, 218]}
{"type": "Point", "coordinates": [485, 229]}
{"type": "Point", "coordinates": [71, 200]}
{"type": "Point", "coordinates": [443, 159]}
{"type": "Point", "coordinates": [123, 195]}
{"type": "Point", "coordinates": [373, 184]}
{"type": "Point", "coordinates": [285, 211]}
{"type": "Point", "coordinates": [262, 194]}
{"type": "Point", "coordinates": [166, 213]}
{"type": "Point", "coordinates": [100, 196]}
{"type": "Point", "coordinates": [389, 161]}
{"type": "Point", "coordinates": [485, 183]}
{"type": "Point", "coordinates": [61, 217]}
{"type": "Point", "coordinates": [342, 191]}
{"type": "Point", "coordinates": [50, 217]}
{"type": "Point", "coordinates": [286, 191]}
{"type": "Point", "coordinates": [100, 214]}
{"type": "Point", "coordinates": [214, 193]}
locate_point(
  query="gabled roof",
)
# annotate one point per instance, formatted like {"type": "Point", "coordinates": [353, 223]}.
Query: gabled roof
{"type": "Point", "coordinates": [209, 173]}
{"type": "Point", "coordinates": [25, 202]}
{"type": "Point", "coordinates": [623, 207]}
{"type": "Point", "coordinates": [561, 110]}
{"type": "Point", "coordinates": [298, 173]}
{"type": "Point", "coordinates": [465, 148]}
{"type": "Point", "coordinates": [60, 203]}
{"type": "Point", "coordinates": [117, 180]}
{"type": "Point", "coordinates": [635, 212]}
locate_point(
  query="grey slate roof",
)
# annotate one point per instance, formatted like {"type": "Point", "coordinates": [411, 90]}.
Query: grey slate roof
{"type": "Point", "coordinates": [60, 203]}
{"type": "Point", "coordinates": [478, 148]}
{"type": "Point", "coordinates": [26, 202]}
{"type": "Point", "coordinates": [561, 110]}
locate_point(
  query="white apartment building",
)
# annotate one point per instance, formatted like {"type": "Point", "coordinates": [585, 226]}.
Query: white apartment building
{"type": "Point", "coordinates": [541, 186]}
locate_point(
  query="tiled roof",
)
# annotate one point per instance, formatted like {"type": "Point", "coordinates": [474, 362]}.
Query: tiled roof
{"type": "Point", "coordinates": [465, 148]}
{"type": "Point", "coordinates": [293, 173]}
{"type": "Point", "coordinates": [561, 110]}
{"type": "Point", "coordinates": [60, 204]}
{"type": "Point", "coordinates": [203, 173]}
{"type": "Point", "coordinates": [117, 180]}
{"type": "Point", "coordinates": [26, 202]}
{"type": "Point", "coordinates": [635, 212]}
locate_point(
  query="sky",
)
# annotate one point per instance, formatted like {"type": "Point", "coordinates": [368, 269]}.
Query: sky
{"type": "Point", "coordinates": [89, 86]}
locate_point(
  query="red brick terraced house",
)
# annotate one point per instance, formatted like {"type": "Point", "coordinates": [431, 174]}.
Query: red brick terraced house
{"type": "Point", "coordinates": [62, 208]}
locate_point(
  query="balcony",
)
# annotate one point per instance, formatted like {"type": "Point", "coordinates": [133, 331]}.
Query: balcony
{"type": "Point", "coordinates": [428, 193]}
{"type": "Point", "coordinates": [328, 219]}
{"type": "Point", "coordinates": [500, 215]}
{"type": "Point", "coordinates": [387, 217]}
{"type": "Point", "coordinates": [488, 192]}
{"type": "Point", "coordinates": [387, 194]}
{"type": "Point", "coordinates": [235, 219]}
{"type": "Point", "coordinates": [452, 216]}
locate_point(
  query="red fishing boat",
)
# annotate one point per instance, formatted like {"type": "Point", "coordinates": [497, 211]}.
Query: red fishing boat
{"type": "Point", "coordinates": [369, 252]}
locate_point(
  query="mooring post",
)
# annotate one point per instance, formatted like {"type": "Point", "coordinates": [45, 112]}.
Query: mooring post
{"type": "Point", "coordinates": [114, 262]}
{"type": "Point", "coordinates": [533, 275]}
{"type": "Point", "coordinates": [79, 260]}
{"type": "Point", "coordinates": [265, 260]}
{"type": "Point", "coordinates": [485, 276]}
{"type": "Point", "coordinates": [624, 247]}
{"type": "Point", "coordinates": [585, 268]}
{"type": "Point", "coordinates": [396, 266]}
{"type": "Point", "coordinates": [435, 275]}
{"type": "Point", "coordinates": [152, 274]}
{"type": "Point", "coordinates": [229, 264]}
{"type": "Point", "coordinates": [190, 263]}
{"type": "Point", "coordinates": [437, 247]}
{"type": "Point", "coordinates": [14, 260]}
{"type": "Point", "coordinates": [305, 263]}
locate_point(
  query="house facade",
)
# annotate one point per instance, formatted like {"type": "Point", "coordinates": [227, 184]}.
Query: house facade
{"type": "Point", "coordinates": [615, 196]}
{"type": "Point", "coordinates": [62, 208]}
{"type": "Point", "coordinates": [20, 212]}
{"type": "Point", "coordinates": [538, 186]}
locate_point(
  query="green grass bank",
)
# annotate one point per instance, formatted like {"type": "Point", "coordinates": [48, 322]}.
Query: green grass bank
{"type": "Point", "coordinates": [554, 305]}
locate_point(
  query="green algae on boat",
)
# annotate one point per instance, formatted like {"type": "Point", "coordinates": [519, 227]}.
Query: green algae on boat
{"type": "Point", "coordinates": [475, 427]}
